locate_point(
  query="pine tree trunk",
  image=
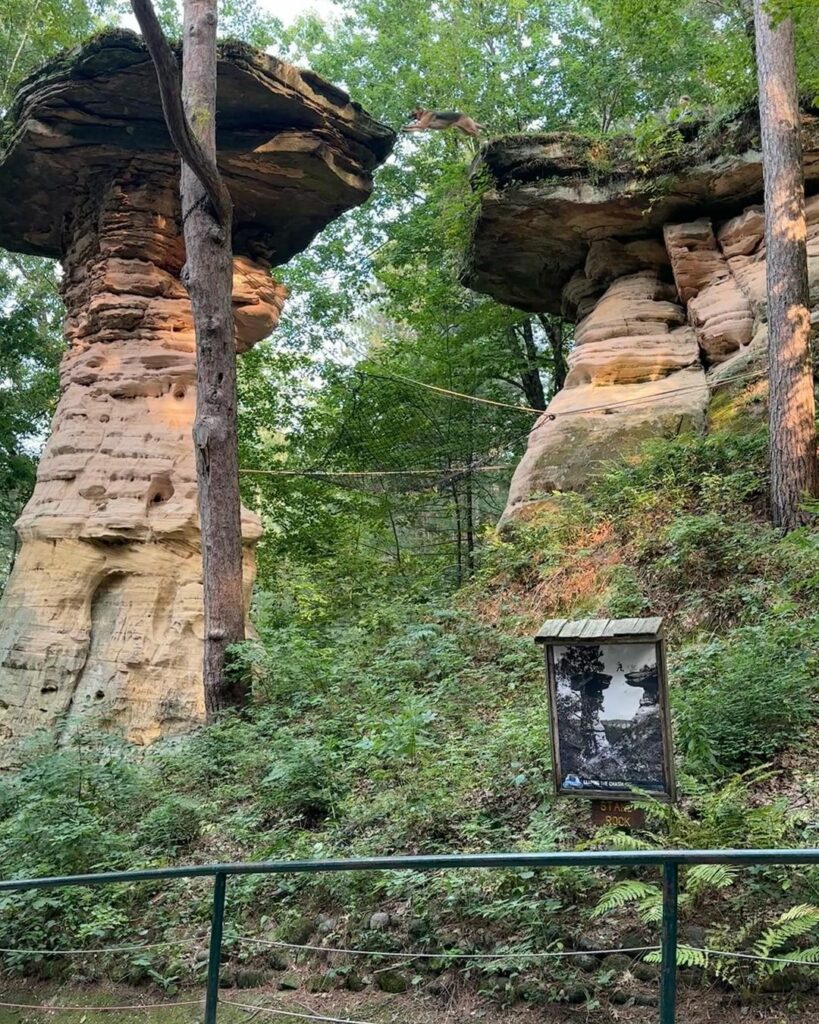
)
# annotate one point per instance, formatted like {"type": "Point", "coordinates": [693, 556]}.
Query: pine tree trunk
{"type": "Point", "coordinates": [208, 276]}
{"type": "Point", "coordinates": [791, 401]}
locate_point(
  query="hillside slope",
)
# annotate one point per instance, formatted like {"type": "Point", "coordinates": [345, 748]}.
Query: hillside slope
{"type": "Point", "coordinates": [416, 726]}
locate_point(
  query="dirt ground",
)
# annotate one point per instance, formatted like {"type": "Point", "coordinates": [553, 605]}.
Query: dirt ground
{"type": "Point", "coordinates": [95, 1005]}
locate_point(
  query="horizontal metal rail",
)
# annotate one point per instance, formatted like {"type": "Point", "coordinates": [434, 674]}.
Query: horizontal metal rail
{"type": "Point", "coordinates": [669, 860]}
{"type": "Point", "coordinates": [591, 858]}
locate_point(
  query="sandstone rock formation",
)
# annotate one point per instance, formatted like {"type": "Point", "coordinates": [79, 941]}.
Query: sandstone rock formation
{"type": "Point", "coordinates": [662, 272]}
{"type": "Point", "coordinates": [101, 620]}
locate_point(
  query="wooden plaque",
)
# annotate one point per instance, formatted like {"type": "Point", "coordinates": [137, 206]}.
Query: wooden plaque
{"type": "Point", "coordinates": [617, 814]}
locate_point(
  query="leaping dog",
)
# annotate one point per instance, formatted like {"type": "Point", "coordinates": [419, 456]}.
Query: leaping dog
{"type": "Point", "coordinates": [440, 120]}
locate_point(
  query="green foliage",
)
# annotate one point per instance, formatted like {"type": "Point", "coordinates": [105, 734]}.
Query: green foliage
{"type": "Point", "coordinates": [172, 826]}
{"type": "Point", "coordinates": [646, 896]}
{"type": "Point", "coordinates": [655, 142]}
{"type": "Point", "coordinates": [750, 693]}
{"type": "Point", "coordinates": [386, 721]}
{"type": "Point", "coordinates": [303, 777]}
{"type": "Point", "coordinates": [720, 471]}
{"type": "Point", "coordinates": [687, 956]}
{"type": "Point", "coordinates": [626, 598]}
{"type": "Point", "coordinates": [389, 713]}
{"type": "Point", "coordinates": [702, 877]}
{"type": "Point", "coordinates": [30, 348]}
{"type": "Point", "coordinates": [794, 923]}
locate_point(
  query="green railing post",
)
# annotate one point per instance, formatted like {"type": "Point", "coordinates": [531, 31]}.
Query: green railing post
{"type": "Point", "coordinates": [668, 975]}
{"type": "Point", "coordinates": [215, 949]}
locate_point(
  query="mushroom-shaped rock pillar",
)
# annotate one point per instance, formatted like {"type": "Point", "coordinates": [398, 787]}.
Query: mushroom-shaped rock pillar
{"type": "Point", "coordinates": [101, 620]}
{"type": "Point", "coordinates": [662, 270]}
{"type": "Point", "coordinates": [591, 685]}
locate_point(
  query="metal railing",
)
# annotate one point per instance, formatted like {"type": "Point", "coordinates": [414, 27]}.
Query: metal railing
{"type": "Point", "coordinates": [669, 861]}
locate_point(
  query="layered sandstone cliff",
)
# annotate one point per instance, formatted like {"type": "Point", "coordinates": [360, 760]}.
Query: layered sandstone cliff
{"type": "Point", "coordinates": [663, 273]}
{"type": "Point", "coordinates": [101, 620]}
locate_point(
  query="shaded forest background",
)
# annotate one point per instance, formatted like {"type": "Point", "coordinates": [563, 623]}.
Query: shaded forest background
{"type": "Point", "coordinates": [377, 296]}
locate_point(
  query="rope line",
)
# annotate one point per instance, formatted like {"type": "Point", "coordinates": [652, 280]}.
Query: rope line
{"type": "Point", "coordinates": [451, 956]}
{"type": "Point", "coordinates": [452, 471]}
{"type": "Point", "coordinates": [85, 1009]}
{"type": "Point", "coordinates": [101, 949]}
{"type": "Point", "coordinates": [477, 468]}
{"type": "Point", "coordinates": [751, 956]}
{"type": "Point", "coordinates": [288, 1013]}
{"type": "Point", "coordinates": [544, 412]}
{"type": "Point", "coordinates": [451, 394]}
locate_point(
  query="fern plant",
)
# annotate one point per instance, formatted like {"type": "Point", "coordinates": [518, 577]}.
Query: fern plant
{"type": "Point", "coordinates": [795, 923]}
{"type": "Point", "coordinates": [687, 956]}
{"type": "Point", "coordinates": [708, 877]}
{"type": "Point", "coordinates": [647, 897]}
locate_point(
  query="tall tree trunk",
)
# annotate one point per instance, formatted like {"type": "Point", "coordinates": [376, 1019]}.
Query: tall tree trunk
{"type": "Point", "coordinates": [791, 401]}
{"type": "Point", "coordinates": [456, 503]}
{"type": "Point", "coordinates": [208, 276]}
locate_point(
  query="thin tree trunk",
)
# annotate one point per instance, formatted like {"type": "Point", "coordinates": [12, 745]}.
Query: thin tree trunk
{"type": "Point", "coordinates": [791, 400]}
{"type": "Point", "coordinates": [554, 335]}
{"type": "Point", "coordinates": [526, 360]}
{"type": "Point", "coordinates": [531, 378]}
{"type": "Point", "coordinates": [393, 527]}
{"type": "Point", "coordinates": [458, 533]}
{"type": "Point", "coordinates": [208, 276]}
{"type": "Point", "coordinates": [470, 523]}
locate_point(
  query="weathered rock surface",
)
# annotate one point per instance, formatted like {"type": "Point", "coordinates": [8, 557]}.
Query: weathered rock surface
{"type": "Point", "coordinates": [547, 202]}
{"type": "Point", "coordinates": [101, 620]}
{"type": "Point", "coordinates": [295, 152]}
{"type": "Point", "coordinates": [663, 273]}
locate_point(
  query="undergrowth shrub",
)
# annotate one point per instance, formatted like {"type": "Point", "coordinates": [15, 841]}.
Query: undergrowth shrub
{"type": "Point", "coordinates": [302, 778]}
{"type": "Point", "coordinates": [172, 826]}
{"type": "Point", "coordinates": [413, 724]}
{"type": "Point", "coordinates": [625, 599]}
{"type": "Point", "coordinates": [718, 472]}
{"type": "Point", "coordinates": [747, 694]}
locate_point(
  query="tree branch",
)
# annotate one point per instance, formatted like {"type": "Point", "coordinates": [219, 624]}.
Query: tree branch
{"type": "Point", "coordinates": [510, 380]}
{"type": "Point", "coordinates": [183, 139]}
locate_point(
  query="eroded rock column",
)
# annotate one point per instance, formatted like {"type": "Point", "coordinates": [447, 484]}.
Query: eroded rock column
{"type": "Point", "coordinates": [101, 621]}
{"type": "Point", "coordinates": [634, 373]}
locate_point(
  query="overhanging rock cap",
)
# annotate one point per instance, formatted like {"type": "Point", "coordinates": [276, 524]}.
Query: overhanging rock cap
{"type": "Point", "coordinates": [294, 150]}
{"type": "Point", "coordinates": [563, 630]}
{"type": "Point", "coordinates": [546, 198]}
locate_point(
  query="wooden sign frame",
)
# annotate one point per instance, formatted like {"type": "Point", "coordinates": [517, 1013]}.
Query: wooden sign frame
{"type": "Point", "coordinates": [608, 633]}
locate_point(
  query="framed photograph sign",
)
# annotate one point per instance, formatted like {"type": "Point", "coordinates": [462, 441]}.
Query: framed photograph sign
{"type": "Point", "coordinates": [608, 703]}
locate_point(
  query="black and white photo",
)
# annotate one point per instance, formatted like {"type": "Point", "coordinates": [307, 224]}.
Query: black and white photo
{"type": "Point", "coordinates": [609, 720]}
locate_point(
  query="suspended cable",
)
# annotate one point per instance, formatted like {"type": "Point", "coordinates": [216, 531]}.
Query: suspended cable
{"type": "Point", "coordinates": [445, 955]}
{"type": "Point", "coordinates": [449, 473]}
{"type": "Point", "coordinates": [96, 1008]}
{"type": "Point", "coordinates": [451, 394]}
{"type": "Point", "coordinates": [569, 412]}
{"type": "Point", "coordinates": [454, 471]}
